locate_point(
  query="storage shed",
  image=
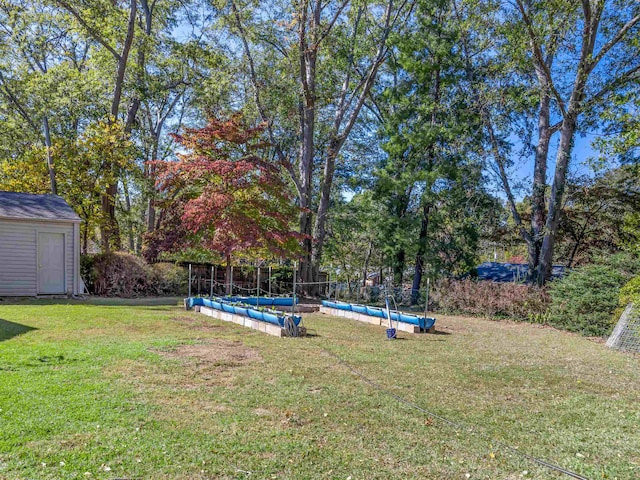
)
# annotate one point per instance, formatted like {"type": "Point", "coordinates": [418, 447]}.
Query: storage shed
{"type": "Point", "coordinates": [39, 246]}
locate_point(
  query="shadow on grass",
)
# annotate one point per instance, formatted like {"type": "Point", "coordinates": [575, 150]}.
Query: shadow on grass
{"type": "Point", "coordinates": [8, 329]}
{"type": "Point", "coordinates": [312, 334]}
{"type": "Point", "coordinates": [440, 332]}
{"type": "Point", "coordinates": [90, 300]}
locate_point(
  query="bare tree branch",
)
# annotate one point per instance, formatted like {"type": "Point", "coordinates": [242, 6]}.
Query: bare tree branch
{"type": "Point", "coordinates": [611, 43]}
{"type": "Point", "coordinates": [328, 28]}
{"type": "Point", "coordinates": [626, 77]}
{"type": "Point", "coordinates": [92, 31]}
{"type": "Point", "coordinates": [21, 110]}
{"type": "Point", "coordinates": [539, 57]}
{"type": "Point", "coordinates": [258, 100]}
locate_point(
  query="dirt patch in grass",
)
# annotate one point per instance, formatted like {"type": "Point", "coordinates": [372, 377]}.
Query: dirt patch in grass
{"type": "Point", "coordinates": [262, 412]}
{"type": "Point", "coordinates": [218, 352]}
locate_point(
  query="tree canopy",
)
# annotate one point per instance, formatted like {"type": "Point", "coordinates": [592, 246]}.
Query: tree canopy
{"type": "Point", "coordinates": [402, 134]}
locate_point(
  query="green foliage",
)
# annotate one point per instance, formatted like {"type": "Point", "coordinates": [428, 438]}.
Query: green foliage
{"type": "Point", "coordinates": [169, 278]}
{"type": "Point", "coordinates": [585, 300]}
{"type": "Point", "coordinates": [599, 216]}
{"type": "Point", "coordinates": [26, 173]}
{"type": "Point", "coordinates": [623, 127]}
{"type": "Point", "coordinates": [431, 179]}
{"type": "Point", "coordinates": [190, 254]}
{"type": "Point", "coordinates": [82, 170]}
{"type": "Point", "coordinates": [354, 237]}
{"type": "Point", "coordinates": [630, 292]}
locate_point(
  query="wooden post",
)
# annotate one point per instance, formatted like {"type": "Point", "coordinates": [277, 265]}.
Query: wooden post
{"type": "Point", "coordinates": [426, 301]}
{"type": "Point", "coordinates": [269, 280]}
{"type": "Point", "coordinates": [231, 282]}
{"type": "Point", "coordinates": [212, 280]}
{"type": "Point", "coordinates": [258, 283]}
{"type": "Point", "coordinates": [189, 295]}
{"type": "Point", "coordinates": [215, 273]}
{"type": "Point", "coordinates": [293, 308]}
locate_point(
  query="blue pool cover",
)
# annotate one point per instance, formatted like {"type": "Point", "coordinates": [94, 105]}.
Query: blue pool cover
{"type": "Point", "coordinates": [263, 301]}
{"type": "Point", "coordinates": [424, 323]}
{"type": "Point", "coordinates": [235, 306]}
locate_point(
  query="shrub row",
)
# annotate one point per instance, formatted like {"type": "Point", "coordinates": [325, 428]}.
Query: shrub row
{"type": "Point", "coordinates": [588, 300]}
{"type": "Point", "coordinates": [123, 275]}
{"type": "Point", "coordinates": [490, 299]}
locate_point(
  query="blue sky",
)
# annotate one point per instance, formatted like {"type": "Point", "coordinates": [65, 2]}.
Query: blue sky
{"type": "Point", "coordinates": [522, 171]}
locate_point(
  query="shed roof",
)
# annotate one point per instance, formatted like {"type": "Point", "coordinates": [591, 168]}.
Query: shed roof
{"type": "Point", "coordinates": [27, 206]}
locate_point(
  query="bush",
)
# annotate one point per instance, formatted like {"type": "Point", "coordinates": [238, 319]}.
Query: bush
{"type": "Point", "coordinates": [124, 275]}
{"type": "Point", "coordinates": [118, 275]}
{"type": "Point", "coordinates": [169, 279]}
{"type": "Point", "coordinates": [586, 299]}
{"type": "Point", "coordinates": [490, 299]}
{"type": "Point", "coordinates": [630, 292]}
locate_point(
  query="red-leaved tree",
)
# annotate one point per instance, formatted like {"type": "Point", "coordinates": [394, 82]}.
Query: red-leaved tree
{"type": "Point", "coordinates": [222, 195]}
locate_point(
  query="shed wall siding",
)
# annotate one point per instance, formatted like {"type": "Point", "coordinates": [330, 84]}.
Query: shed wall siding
{"type": "Point", "coordinates": [19, 254]}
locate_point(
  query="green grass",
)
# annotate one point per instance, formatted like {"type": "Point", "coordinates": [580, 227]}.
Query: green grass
{"type": "Point", "coordinates": [106, 391]}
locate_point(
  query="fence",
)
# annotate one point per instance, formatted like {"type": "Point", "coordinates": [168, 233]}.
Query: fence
{"type": "Point", "coordinates": [209, 280]}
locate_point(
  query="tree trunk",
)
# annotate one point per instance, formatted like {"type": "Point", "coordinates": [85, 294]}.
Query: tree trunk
{"type": "Point", "coordinates": [151, 215]}
{"type": "Point", "coordinates": [307, 59]}
{"type": "Point", "coordinates": [52, 171]}
{"type": "Point", "coordinates": [538, 208]}
{"type": "Point", "coordinates": [109, 228]}
{"type": "Point", "coordinates": [306, 263]}
{"type": "Point", "coordinates": [365, 268]}
{"type": "Point", "coordinates": [127, 200]}
{"type": "Point", "coordinates": [151, 176]}
{"type": "Point", "coordinates": [424, 224]}
{"type": "Point", "coordinates": [140, 235]}
{"type": "Point", "coordinates": [85, 238]}
{"type": "Point", "coordinates": [123, 59]}
{"type": "Point", "coordinates": [319, 231]}
{"type": "Point", "coordinates": [398, 267]}
{"type": "Point", "coordinates": [555, 201]}
{"type": "Point", "coordinates": [110, 232]}
{"type": "Point", "coordinates": [422, 247]}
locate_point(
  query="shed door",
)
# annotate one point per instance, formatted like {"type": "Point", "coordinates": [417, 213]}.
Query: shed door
{"type": "Point", "coordinates": [51, 263]}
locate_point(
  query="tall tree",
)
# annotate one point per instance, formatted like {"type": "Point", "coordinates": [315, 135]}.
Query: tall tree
{"type": "Point", "coordinates": [35, 41]}
{"type": "Point", "coordinates": [113, 18]}
{"type": "Point", "coordinates": [228, 198]}
{"type": "Point", "coordinates": [596, 214]}
{"type": "Point", "coordinates": [433, 169]}
{"type": "Point", "coordinates": [575, 57]}
{"type": "Point", "coordinates": [326, 56]}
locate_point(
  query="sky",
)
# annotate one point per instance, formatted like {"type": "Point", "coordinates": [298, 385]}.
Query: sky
{"type": "Point", "coordinates": [579, 165]}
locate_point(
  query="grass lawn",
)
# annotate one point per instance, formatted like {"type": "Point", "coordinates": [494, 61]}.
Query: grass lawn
{"type": "Point", "coordinates": [129, 390]}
